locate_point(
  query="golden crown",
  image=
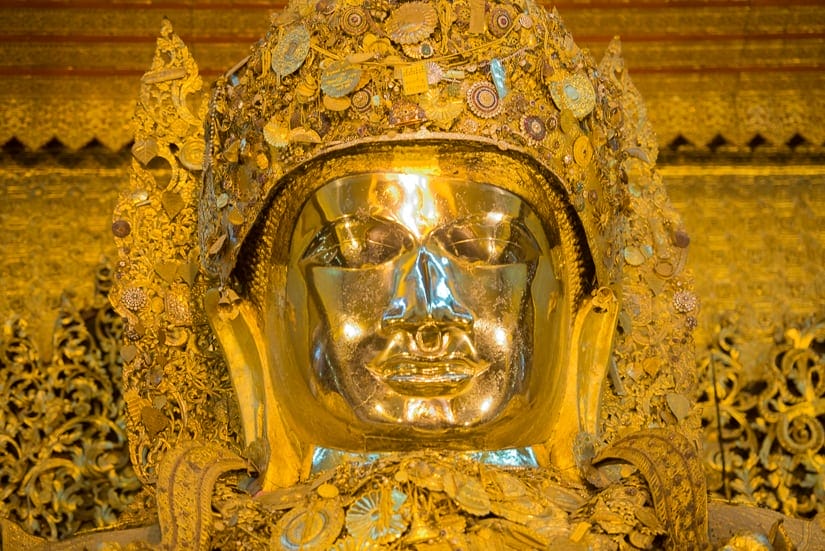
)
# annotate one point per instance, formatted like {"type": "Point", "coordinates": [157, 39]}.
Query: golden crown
{"type": "Point", "coordinates": [331, 75]}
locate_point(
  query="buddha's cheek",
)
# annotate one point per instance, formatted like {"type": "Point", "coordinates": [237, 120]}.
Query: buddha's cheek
{"type": "Point", "coordinates": [347, 305]}
{"type": "Point", "coordinates": [502, 333]}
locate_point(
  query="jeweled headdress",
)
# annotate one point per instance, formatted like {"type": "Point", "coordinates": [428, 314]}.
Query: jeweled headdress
{"type": "Point", "coordinates": [333, 75]}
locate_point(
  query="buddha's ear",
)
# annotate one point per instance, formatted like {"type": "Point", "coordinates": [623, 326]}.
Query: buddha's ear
{"type": "Point", "coordinates": [591, 345]}
{"type": "Point", "coordinates": [237, 325]}
{"type": "Point", "coordinates": [596, 329]}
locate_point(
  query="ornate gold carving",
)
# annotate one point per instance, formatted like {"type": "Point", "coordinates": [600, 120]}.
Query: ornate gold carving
{"type": "Point", "coordinates": [175, 385]}
{"type": "Point", "coordinates": [174, 321]}
{"type": "Point", "coordinates": [668, 461]}
{"type": "Point", "coordinates": [431, 501]}
{"type": "Point", "coordinates": [771, 426]}
{"type": "Point", "coordinates": [186, 480]}
{"type": "Point", "coordinates": [62, 429]}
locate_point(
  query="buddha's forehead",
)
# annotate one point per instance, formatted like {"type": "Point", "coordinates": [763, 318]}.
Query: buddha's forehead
{"type": "Point", "coordinates": [420, 202]}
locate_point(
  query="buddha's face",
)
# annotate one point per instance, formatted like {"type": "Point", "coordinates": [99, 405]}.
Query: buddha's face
{"type": "Point", "coordinates": [422, 304]}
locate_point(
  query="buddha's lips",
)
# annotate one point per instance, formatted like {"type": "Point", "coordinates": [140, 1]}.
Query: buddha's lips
{"type": "Point", "coordinates": [427, 376]}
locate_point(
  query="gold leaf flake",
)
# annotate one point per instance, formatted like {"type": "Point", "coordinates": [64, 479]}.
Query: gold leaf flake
{"type": "Point", "coordinates": [679, 405]}
{"type": "Point", "coordinates": [172, 203]}
{"type": "Point", "coordinates": [167, 270]}
{"type": "Point", "coordinates": [145, 150]}
{"type": "Point", "coordinates": [153, 420]}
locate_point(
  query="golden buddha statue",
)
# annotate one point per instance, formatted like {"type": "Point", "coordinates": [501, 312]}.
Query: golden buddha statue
{"type": "Point", "coordinates": [422, 290]}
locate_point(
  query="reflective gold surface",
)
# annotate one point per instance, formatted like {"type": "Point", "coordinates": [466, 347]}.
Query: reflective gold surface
{"type": "Point", "coordinates": [569, 158]}
{"type": "Point", "coordinates": [417, 302]}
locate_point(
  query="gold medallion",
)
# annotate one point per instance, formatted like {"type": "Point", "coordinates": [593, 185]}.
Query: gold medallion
{"type": "Point", "coordinates": [575, 93]}
{"type": "Point", "coordinates": [354, 21]}
{"type": "Point", "coordinates": [411, 22]}
{"type": "Point", "coordinates": [310, 528]}
{"type": "Point", "coordinates": [340, 78]}
{"type": "Point", "coordinates": [483, 100]}
{"type": "Point", "coordinates": [361, 100]}
{"type": "Point", "coordinates": [291, 51]}
{"type": "Point", "coordinates": [191, 154]}
{"type": "Point", "coordinates": [379, 516]}
{"type": "Point", "coordinates": [582, 151]}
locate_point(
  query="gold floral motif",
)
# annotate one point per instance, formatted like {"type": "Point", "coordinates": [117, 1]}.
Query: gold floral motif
{"type": "Point", "coordinates": [379, 516]}
{"type": "Point", "coordinates": [63, 428]}
{"type": "Point", "coordinates": [765, 445]}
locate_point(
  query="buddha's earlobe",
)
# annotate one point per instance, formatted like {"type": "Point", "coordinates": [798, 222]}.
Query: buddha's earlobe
{"type": "Point", "coordinates": [591, 345]}
{"type": "Point", "coordinates": [237, 326]}
{"type": "Point", "coordinates": [594, 335]}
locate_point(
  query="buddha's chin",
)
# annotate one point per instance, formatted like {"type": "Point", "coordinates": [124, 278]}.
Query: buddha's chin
{"type": "Point", "coordinates": [423, 415]}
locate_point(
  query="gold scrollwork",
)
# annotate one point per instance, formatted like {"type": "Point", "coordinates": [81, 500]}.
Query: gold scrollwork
{"type": "Point", "coordinates": [771, 426]}
{"type": "Point", "coordinates": [63, 459]}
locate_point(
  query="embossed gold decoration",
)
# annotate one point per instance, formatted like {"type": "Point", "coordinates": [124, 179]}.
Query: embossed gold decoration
{"type": "Point", "coordinates": [161, 321]}
{"type": "Point", "coordinates": [256, 149]}
{"type": "Point", "coordinates": [233, 183]}
{"type": "Point", "coordinates": [64, 465]}
{"type": "Point", "coordinates": [764, 434]}
{"type": "Point", "coordinates": [443, 501]}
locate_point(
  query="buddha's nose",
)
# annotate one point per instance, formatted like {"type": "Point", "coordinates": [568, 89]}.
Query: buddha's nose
{"type": "Point", "coordinates": [424, 298]}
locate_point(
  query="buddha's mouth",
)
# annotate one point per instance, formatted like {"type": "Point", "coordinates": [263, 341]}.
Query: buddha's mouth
{"type": "Point", "coordinates": [427, 376]}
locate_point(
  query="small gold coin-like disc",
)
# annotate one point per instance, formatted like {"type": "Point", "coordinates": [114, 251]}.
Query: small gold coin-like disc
{"type": "Point", "coordinates": [310, 528]}
{"type": "Point", "coordinates": [582, 151]}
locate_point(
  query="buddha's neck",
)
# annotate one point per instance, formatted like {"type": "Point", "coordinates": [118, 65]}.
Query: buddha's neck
{"type": "Point", "coordinates": [324, 459]}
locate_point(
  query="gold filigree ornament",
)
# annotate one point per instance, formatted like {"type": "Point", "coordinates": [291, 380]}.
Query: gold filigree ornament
{"type": "Point", "coordinates": [291, 51]}
{"type": "Point", "coordinates": [500, 20]}
{"type": "Point", "coordinates": [575, 93]}
{"type": "Point", "coordinates": [765, 445]}
{"type": "Point", "coordinates": [255, 149]}
{"type": "Point", "coordinates": [354, 20]}
{"type": "Point", "coordinates": [483, 100]}
{"type": "Point", "coordinates": [440, 109]}
{"type": "Point", "coordinates": [361, 101]}
{"type": "Point", "coordinates": [62, 426]}
{"type": "Point", "coordinates": [311, 528]}
{"type": "Point", "coordinates": [420, 50]}
{"type": "Point", "coordinates": [165, 351]}
{"type": "Point", "coordinates": [276, 133]}
{"type": "Point", "coordinates": [534, 128]}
